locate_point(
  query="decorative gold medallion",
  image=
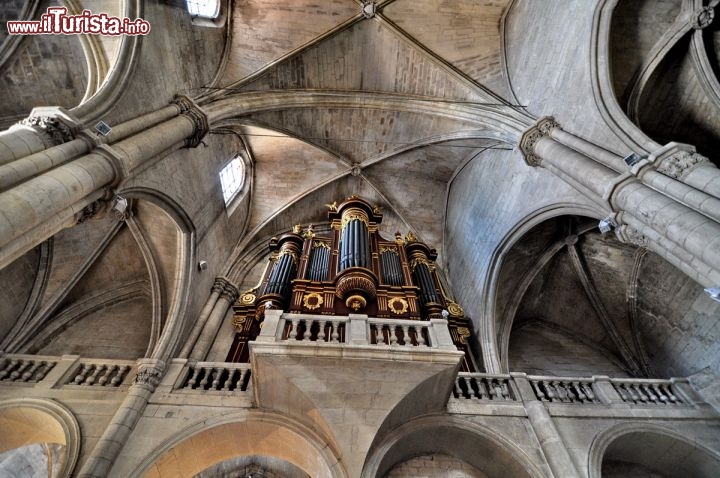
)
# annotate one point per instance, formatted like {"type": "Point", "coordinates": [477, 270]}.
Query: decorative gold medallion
{"type": "Point", "coordinates": [455, 310]}
{"type": "Point", "coordinates": [247, 299]}
{"type": "Point", "coordinates": [464, 333]}
{"type": "Point", "coordinates": [398, 305]}
{"type": "Point", "coordinates": [239, 321]}
{"type": "Point", "coordinates": [355, 302]}
{"type": "Point", "coordinates": [312, 301]}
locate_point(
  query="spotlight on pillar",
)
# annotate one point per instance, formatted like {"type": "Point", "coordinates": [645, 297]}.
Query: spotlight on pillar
{"type": "Point", "coordinates": [202, 265]}
{"type": "Point", "coordinates": [607, 225]}
{"type": "Point", "coordinates": [445, 314]}
{"type": "Point", "coordinates": [102, 128]}
{"type": "Point", "coordinates": [119, 208]}
{"type": "Point", "coordinates": [714, 293]}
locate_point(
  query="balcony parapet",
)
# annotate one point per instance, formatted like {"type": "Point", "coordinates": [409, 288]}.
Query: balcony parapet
{"type": "Point", "coordinates": [356, 330]}
{"type": "Point", "coordinates": [66, 371]}
{"type": "Point", "coordinates": [596, 395]}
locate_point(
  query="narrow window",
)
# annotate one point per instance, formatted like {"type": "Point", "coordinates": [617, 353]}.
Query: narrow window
{"type": "Point", "coordinates": [204, 8]}
{"type": "Point", "coordinates": [232, 177]}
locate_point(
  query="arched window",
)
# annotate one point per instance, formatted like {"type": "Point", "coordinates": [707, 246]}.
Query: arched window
{"type": "Point", "coordinates": [204, 8]}
{"type": "Point", "coordinates": [232, 177]}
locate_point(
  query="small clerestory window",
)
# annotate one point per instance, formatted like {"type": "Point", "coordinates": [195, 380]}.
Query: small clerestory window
{"type": "Point", "coordinates": [232, 177]}
{"type": "Point", "coordinates": [204, 8]}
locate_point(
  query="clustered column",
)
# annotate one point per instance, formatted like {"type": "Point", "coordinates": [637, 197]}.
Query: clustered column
{"type": "Point", "coordinates": [667, 202]}
{"type": "Point", "coordinates": [75, 169]}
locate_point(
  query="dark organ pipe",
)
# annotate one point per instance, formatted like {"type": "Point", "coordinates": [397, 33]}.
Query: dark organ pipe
{"type": "Point", "coordinates": [424, 281]}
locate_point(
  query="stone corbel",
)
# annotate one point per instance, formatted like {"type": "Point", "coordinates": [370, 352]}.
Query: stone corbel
{"type": "Point", "coordinates": [56, 124]}
{"type": "Point", "coordinates": [630, 235]}
{"type": "Point", "coordinates": [530, 137]}
{"type": "Point", "coordinates": [191, 110]}
{"type": "Point", "coordinates": [150, 371]}
{"type": "Point", "coordinates": [677, 160]}
{"type": "Point", "coordinates": [227, 289]}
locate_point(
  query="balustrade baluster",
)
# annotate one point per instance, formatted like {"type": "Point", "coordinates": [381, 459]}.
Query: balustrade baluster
{"type": "Point", "coordinates": [230, 380]}
{"type": "Point", "coordinates": [379, 335]}
{"type": "Point", "coordinates": [15, 374]}
{"type": "Point", "coordinates": [118, 378]}
{"type": "Point", "coordinates": [539, 391]}
{"type": "Point", "coordinates": [658, 389]}
{"type": "Point", "coordinates": [393, 335]}
{"type": "Point", "coordinates": [639, 396]}
{"type": "Point", "coordinates": [216, 377]}
{"type": "Point", "coordinates": [407, 342]}
{"type": "Point", "coordinates": [464, 388]}
{"type": "Point", "coordinates": [47, 366]}
{"type": "Point", "coordinates": [483, 389]}
{"type": "Point", "coordinates": [80, 377]}
{"type": "Point", "coordinates": [192, 379]}
{"type": "Point", "coordinates": [106, 376]}
{"type": "Point", "coordinates": [91, 379]}
{"type": "Point", "coordinates": [505, 390]}
{"type": "Point", "coordinates": [335, 329]}
{"type": "Point", "coordinates": [576, 390]}
{"type": "Point", "coordinates": [8, 368]}
{"type": "Point", "coordinates": [649, 393]}
{"type": "Point", "coordinates": [308, 330]}
{"type": "Point", "coordinates": [419, 336]}
{"type": "Point", "coordinates": [206, 377]}
{"type": "Point", "coordinates": [294, 323]}
{"type": "Point", "coordinates": [321, 330]}
{"type": "Point", "coordinates": [30, 372]}
{"type": "Point", "coordinates": [671, 395]}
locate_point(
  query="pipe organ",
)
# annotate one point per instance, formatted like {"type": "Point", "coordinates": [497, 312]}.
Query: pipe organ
{"type": "Point", "coordinates": [353, 269]}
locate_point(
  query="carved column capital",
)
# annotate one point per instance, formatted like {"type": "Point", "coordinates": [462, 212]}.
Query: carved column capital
{"type": "Point", "coordinates": [191, 110]}
{"type": "Point", "coordinates": [226, 289]}
{"type": "Point", "coordinates": [56, 124]}
{"type": "Point", "coordinates": [530, 137]}
{"type": "Point", "coordinates": [703, 18]}
{"type": "Point", "coordinates": [630, 235]}
{"type": "Point", "coordinates": [150, 371]}
{"type": "Point", "coordinates": [679, 163]}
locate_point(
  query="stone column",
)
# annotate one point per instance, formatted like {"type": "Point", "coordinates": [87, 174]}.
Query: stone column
{"type": "Point", "coordinates": [28, 207]}
{"type": "Point", "coordinates": [543, 425]}
{"type": "Point", "coordinates": [215, 292]}
{"type": "Point", "coordinates": [121, 425]}
{"type": "Point", "coordinates": [681, 231]}
{"type": "Point", "coordinates": [226, 298]}
{"type": "Point", "coordinates": [44, 128]}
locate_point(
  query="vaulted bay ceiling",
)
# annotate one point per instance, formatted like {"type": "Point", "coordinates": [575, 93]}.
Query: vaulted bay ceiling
{"type": "Point", "coordinates": [404, 81]}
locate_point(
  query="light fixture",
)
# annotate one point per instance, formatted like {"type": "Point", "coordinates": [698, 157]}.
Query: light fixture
{"type": "Point", "coordinates": [714, 293]}
{"type": "Point", "coordinates": [607, 225]}
{"type": "Point", "coordinates": [102, 128]}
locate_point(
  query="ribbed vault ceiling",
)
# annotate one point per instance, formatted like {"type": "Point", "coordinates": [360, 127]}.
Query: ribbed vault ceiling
{"type": "Point", "coordinates": [447, 52]}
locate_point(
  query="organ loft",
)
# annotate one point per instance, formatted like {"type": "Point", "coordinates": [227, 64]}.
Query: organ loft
{"type": "Point", "coordinates": [352, 269]}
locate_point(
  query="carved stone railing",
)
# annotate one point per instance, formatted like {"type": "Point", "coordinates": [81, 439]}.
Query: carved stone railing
{"type": "Point", "coordinates": [564, 390]}
{"type": "Point", "coordinates": [480, 386]}
{"type": "Point", "coordinates": [315, 329]}
{"type": "Point", "coordinates": [65, 371]}
{"type": "Point", "coordinates": [355, 330]}
{"type": "Point", "coordinates": [25, 368]}
{"type": "Point", "coordinates": [650, 392]}
{"type": "Point", "coordinates": [215, 377]}
{"type": "Point", "coordinates": [100, 373]}
{"type": "Point", "coordinates": [403, 333]}
{"type": "Point", "coordinates": [594, 391]}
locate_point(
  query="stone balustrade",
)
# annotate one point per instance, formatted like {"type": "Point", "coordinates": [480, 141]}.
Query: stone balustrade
{"type": "Point", "coordinates": [215, 376]}
{"type": "Point", "coordinates": [475, 386]}
{"type": "Point", "coordinates": [65, 371]}
{"type": "Point", "coordinates": [355, 330]}
{"type": "Point", "coordinates": [96, 373]}
{"type": "Point", "coordinates": [404, 333]}
{"type": "Point", "coordinates": [593, 391]}
{"type": "Point", "coordinates": [565, 390]}
{"type": "Point", "coordinates": [649, 392]}
{"type": "Point", "coordinates": [315, 329]}
{"type": "Point", "coordinates": [25, 368]}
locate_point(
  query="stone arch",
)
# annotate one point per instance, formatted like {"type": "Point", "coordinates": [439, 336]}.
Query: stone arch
{"type": "Point", "coordinates": [455, 437]}
{"type": "Point", "coordinates": [491, 333]}
{"type": "Point", "coordinates": [170, 268]}
{"type": "Point", "coordinates": [40, 421]}
{"type": "Point", "coordinates": [214, 441]}
{"type": "Point", "coordinates": [653, 447]}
